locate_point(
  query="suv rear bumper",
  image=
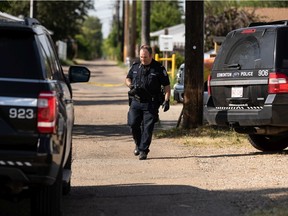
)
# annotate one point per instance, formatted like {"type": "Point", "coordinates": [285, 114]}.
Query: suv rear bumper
{"type": "Point", "coordinates": [28, 168]}
{"type": "Point", "coordinates": [272, 114]}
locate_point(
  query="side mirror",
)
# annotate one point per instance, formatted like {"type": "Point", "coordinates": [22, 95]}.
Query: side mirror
{"type": "Point", "coordinates": [78, 74]}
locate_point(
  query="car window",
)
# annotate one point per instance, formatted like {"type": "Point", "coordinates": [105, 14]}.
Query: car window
{"type": "Point", "coordinates": [282, 48]}
{"type": "Point", "coordinates": [54, 69]}
{"type": "Point", "coordinates": [17, 55]}
{"type": "Point", "coordinates": [244, 52]}
{"type": "Point", "coordinates": [250, 51]}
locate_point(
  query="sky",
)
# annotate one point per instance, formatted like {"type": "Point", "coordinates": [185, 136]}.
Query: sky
{"type": "Point", "coordinates": [104, 10]}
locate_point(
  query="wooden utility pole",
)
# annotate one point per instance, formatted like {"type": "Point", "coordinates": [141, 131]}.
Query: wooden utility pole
{"type": "Point", "coordinates": [194, 66]}
{"type": "Point", "coordinates": [117, 19]}
{"type": "Point", "coordinates": [145, 33]}
{"type": "Point", "coordinates": [126, 32]}
{"type": "Point", "coordinates": [122, 31]}
{"type": "Point", "coordinates": [133, 30]}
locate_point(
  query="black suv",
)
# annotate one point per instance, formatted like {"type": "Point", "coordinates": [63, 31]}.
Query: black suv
{"type": "Point", "coordinates": [248, 86]}
{"type": "Point", "coordinates": [36, 116]}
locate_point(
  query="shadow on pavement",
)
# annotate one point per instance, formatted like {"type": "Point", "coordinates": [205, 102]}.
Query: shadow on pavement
{"type": "Point", "coordinates": [100, 102]}
{"type": "Point", "coordinates": [101, 130]}
{"type": "Point", "coordinates": [168, 200]}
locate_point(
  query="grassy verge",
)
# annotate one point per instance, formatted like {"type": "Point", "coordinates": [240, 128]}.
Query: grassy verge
{"type": "Point", "coordinates": [279, 211]}
{"type": "Point", "coordinates": [204, 136]}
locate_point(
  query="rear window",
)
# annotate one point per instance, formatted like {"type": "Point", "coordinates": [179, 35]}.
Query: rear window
{"type": "Point", "coordinates": [282, 48]}
{"type": "Point", "coordinates": [248, 50]}
{"type": "Point", "coordinates": [17, 55]}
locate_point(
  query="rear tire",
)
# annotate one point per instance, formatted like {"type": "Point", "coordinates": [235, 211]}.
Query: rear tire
{"type": "Point", "coordinates": [268, 143]}
{"type": "Point", "coordinates": [47, 200]}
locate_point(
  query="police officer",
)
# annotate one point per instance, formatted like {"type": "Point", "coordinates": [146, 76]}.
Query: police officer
{"type": "Point", "coordinates": [145, 80]}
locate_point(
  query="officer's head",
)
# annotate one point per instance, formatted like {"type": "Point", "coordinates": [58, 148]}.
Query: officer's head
{"type": "Point", "coordinates": [145, 54]}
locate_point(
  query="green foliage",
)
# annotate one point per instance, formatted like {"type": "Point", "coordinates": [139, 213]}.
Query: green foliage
{"type": "Point", "coordinates": [90, 40]}
{"type": "Point", "coordinates": [224, 16]}
{"type": "Point", "coordinates": [112, 45]}
{"type": "Point", "coordinates": [164, 14]}
{"type": "Point", "coordinates": [63, 18]}
{"type": "Point", "coordinates": [83, 47]}
{"type": "Point", "coordinates": [179, 59]}
{"type": "Point", "coordinates": [221, 23]}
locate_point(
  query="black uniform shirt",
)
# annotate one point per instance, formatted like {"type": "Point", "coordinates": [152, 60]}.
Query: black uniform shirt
{"type": "Point", "coordinates": [150, 77]}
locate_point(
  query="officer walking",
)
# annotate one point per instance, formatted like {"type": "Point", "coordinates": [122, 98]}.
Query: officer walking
{"type": "Point", "coordinates": [145, 80]}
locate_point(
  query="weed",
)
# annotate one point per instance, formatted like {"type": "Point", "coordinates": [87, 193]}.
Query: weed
{"type": "Point", "coordinates": [205, 136]}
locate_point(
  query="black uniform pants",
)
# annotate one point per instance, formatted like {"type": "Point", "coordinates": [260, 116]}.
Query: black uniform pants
{"type": "Point", "coordinates": [141, 119]}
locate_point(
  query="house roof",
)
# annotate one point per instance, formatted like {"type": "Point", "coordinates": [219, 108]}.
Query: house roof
{"type": "Point", "coordinates": [177, 31]}
{"type": "Point", "coordinates": [270, 14]}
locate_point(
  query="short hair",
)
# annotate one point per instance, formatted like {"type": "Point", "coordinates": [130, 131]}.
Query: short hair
{"type": "Point", "coordinates": [147, 47]}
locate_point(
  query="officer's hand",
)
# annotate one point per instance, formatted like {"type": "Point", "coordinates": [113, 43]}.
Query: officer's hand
{"type": "Point", "coordinates": [132, 91]}
{"type": "Point", "coordinates": [166, 105]}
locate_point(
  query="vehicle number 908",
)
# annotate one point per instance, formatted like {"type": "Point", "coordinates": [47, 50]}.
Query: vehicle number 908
{"type": "Point", "coordinates": [21, 113]}
{"type": "Point", "coordinates": [263, 73]}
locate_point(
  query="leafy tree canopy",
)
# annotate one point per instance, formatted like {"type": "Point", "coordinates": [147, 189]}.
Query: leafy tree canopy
{"type": "Point", "coordinates": [90, 39]}
{"type": "Point", "coordinates": [164, 14]}
{"type": "Point", "coordinates": [63, 18]}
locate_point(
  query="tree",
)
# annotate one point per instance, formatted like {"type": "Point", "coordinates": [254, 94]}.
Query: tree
{"type": "Point", "coordinates": [159, 13]}
{"type": "Point", "coordinates": [112, 44]}
{"type": "Point", "coordinates": [90, 40]}
{"type": "Point", "coordinates": [63, 18]}
{"type": "Point", "coordinates": [224, 16]}
{"type": "Point", "coordinates": [165, 14]}
{"type": "Point", "coordinates": [222, 23]}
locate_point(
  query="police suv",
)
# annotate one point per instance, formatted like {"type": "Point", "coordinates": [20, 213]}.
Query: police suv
{"type": "Point", "coordinates": [248, 86]}
{"type": "Point", "coordinates": [36, 116]}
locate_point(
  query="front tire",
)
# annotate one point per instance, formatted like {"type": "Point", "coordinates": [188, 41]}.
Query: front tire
{"type": "Point", "coordinates": [268, 143]}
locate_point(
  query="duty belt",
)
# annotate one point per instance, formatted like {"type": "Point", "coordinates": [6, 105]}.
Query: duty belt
{"type": "Point", "coordinates": [144, 100]}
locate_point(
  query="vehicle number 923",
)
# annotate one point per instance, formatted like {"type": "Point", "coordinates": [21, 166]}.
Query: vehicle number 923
{"type": "Point", "coordinates": [21, 113]}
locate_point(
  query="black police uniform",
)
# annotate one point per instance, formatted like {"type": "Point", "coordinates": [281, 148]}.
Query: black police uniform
{"type": "Point", "coordinates": [145, 101]}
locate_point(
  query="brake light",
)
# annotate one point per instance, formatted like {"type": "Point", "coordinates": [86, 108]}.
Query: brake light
{"type": "Point", "coordinates": [248, 31]}
{"type": "Point", "coordinates": [47, 112]}
{"type": "Point", "coordinates": [208, 84]}
{"type": "Point", "coordinates": [278, 83]}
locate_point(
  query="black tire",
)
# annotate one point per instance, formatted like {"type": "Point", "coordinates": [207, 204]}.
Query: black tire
{"type": "Point", "coordinates": [176, 98]}
{"type": "Point", "coordinates": [268, 143]}
{"type": "Point", "coordinates": [47, 200]}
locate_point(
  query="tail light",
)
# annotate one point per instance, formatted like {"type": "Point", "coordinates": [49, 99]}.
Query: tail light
{"type": "Point", "coordinates": [47, 112]}
{"type": "Point", "coordinates": [278, 83]}
{"type": "Point", "coordinates": [208, 84]}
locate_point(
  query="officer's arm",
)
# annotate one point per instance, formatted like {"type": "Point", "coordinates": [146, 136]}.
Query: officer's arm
{"type": "Point", "coordinates": [128, 82]}
{"type": "Point", "coordinates": [167, 90]}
